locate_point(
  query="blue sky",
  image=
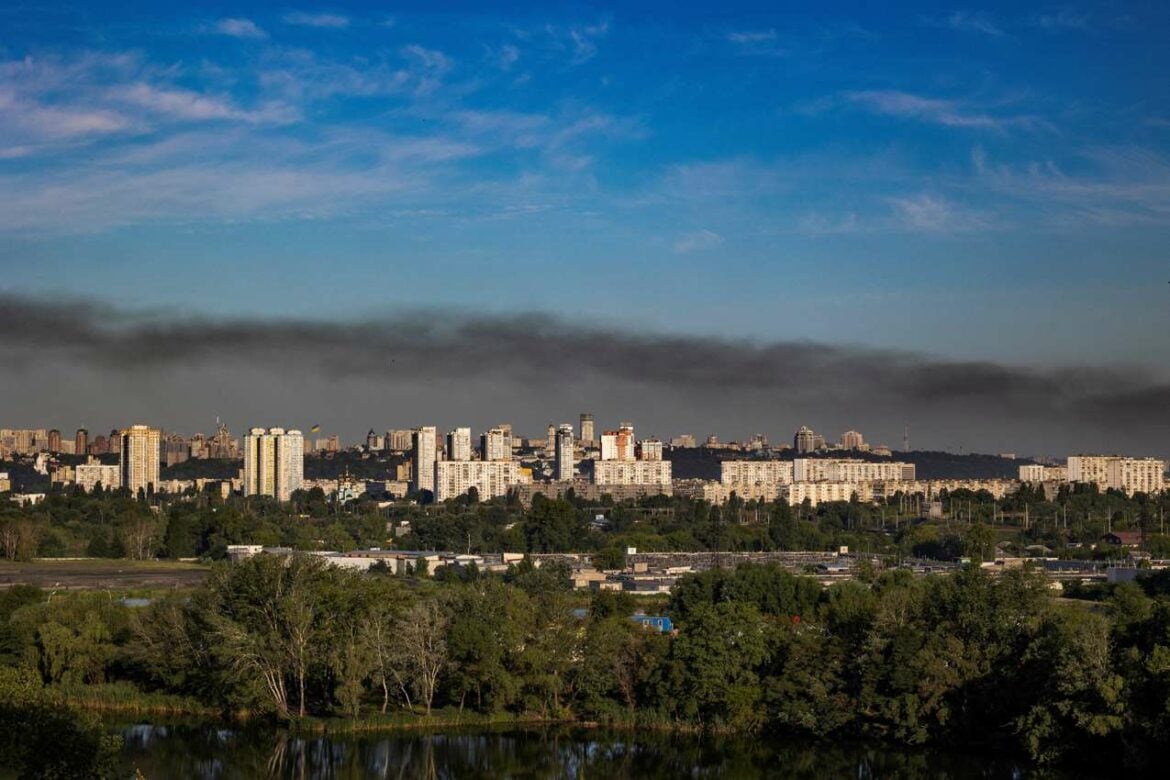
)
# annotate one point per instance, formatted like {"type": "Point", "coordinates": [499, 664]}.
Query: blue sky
{"type": "Point", "coordinates": [968, 181]}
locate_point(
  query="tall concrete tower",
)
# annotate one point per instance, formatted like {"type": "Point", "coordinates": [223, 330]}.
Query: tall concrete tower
{"type": "Point", "coordinates": [459, 444]}
{"type": "Point", "coordinates": [565, 460]}
{"type": "Point", "coordinates": [274, 463]}
{"type": "Point", "coordinates": [587, 428]}
{"type": "Point", "coordinates": [139, 457]}
{"type": "Point", "coordinates": [423, 456]}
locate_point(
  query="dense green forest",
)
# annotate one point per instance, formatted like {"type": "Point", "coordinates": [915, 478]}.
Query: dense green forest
{"type": "Point", "coordinates": [961, 660]}
{"type": "Point", "coordinates": [113, 524]}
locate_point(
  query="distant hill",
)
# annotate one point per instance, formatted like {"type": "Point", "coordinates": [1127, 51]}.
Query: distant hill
{"type": "Point", "coordinates": [331, 465]}
{"type": "Point", "coordinates": [24, 477]}
{"type": "Point", "coordinates": [204, 468]}
{"type": "Point", "coordinates": [328, 465]}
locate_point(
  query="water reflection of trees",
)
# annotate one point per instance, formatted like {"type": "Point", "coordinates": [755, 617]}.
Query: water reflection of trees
{"type": "Point", "coordinates": [213, 754]}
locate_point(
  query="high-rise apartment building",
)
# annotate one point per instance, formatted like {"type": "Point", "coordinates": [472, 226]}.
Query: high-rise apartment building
{"type": "Point", "coordinates": [89, 475]}
{"type": "Point", "coordinates": [824, 492]}
{"type": "Point", "coordinates": [619, 444]}
{"type": "Point", "coordinates": [805, 440]}
{"type": "Point", "coordinates": [496, 444]}
{"type": "Point", "coordinates": [1035, 472]}
{"type": "Point", "coordinates": [459, 444]}
{"type": "Point", "coordinates": [565, 466]}
{"type": "Point", "coordinates": [399, 440]}
{"type": "Point", "coordinates": [586, 428]}
{"type": "Point", "coordinates": [81, 442]}
{"type": "Point", "coordinates": [850, 470]}
{"type": "Point", "coordinates": [649, 449]}
{"type": "Point", "coordinates": [24, 441]}
{"type": "Point", "coordinates": [852, 440]}
{"type": "Point", "coordinates": [491, 479]}
{"type": "Point", "coordinates": [54, 441]}
{"type": "Point", "coordinates": [222, 445]}
{"type": "Point", "coordinates": [1137, 475]}
{"type": "Point", "coordinates": [274, 463]}
{"type": "Point", "coordinates": [177, 450]}
{"type": "Point", "coordinates": [630, 472]}
{"type": "Point", "coordinates": [424, 453]}
{"type": "Point", "coordinates": [742, 473]}
{"type": "Point", "coordinates": [331, 443]}
{"type": "Point", "coordinates": [139, 456]}
{"type": "Point", "coordinates": [1129, 475]}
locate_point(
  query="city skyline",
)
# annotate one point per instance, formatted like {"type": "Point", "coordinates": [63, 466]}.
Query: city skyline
{"type": "Point", "coordinates": [496, 442]}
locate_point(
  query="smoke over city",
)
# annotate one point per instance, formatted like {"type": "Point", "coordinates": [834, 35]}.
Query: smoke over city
{"type": "Point", "coordinates": [98, 363]}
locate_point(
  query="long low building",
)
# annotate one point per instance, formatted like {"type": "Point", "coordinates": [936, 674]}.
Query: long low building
{"type": "Point", "coordinates": [588, 491]}
{"type": "Point", "coordinates": [490, 478]}
{"type": "Point", "coordinates": [746, 473]}
{"type": "Point", "coordinates": [1129, 475]}
{"type": "Point", "coordinates": [851, 470]}
{"type": "Point", "coordinates": [932, 488]}
{"type": "Point", "coordinates": [823, 492]}
{"type": "Point", "coordinates": [629, 472]}
{"type": "Point", "coordinates": [1037, 473]}
{"type": "Point", "coordinates": [719, 492]}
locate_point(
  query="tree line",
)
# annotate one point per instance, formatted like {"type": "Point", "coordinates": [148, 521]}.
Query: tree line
{"type": "Point", "coordinates": [114, 524]}
{"type": "Point", "coordinates": [967, 659]}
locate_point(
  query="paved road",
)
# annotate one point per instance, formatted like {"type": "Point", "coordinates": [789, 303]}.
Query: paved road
{"type": "Point", "coordinates": [99, 574]}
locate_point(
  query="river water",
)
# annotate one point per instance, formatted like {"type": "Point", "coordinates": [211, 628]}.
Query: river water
{"type": "Point", "coordinates": [200, 751]}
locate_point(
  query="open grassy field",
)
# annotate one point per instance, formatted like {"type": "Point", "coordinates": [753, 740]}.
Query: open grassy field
{"type": "Point", "coordinates": [98, 573]}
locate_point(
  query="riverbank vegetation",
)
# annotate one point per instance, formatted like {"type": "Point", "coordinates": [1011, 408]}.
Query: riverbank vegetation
{"type": "Point", "coordinates": [959, 660]}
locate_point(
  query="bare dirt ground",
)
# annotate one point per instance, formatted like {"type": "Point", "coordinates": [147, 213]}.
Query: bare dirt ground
{"type": "Point", "coordinates": [101, 573]}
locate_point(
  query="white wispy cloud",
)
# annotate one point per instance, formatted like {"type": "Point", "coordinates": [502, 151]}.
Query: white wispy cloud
{"type": "Point", "coordinates": [430, 66]}
{"type": "Point", "coordinates": [506, 56]}
{"type": "Point", "coordinates": [1114, 186]}
{"type": "Point", "coordinates": [233, 174]}
{"type": "Point", "coordinates": [578, 41]}
{"type": "Point", "coordinates": [697, 241]}
{"type": "Point", "coordinates": [326, 21]}
{"type": "Point", "coordinates": [756, 42]}
{"type": "Point", "coordinates": [301, 75]}
{"type": "Point", "coordinates": [817, 224]}
{"type": "Point", "coordinates": [186, 104]}
{"type": "Point", "coordinates": [934, 214]}
{"type": "Point", "coordinates": [1065, 18]}
{"type": "Point", "coordinates": [123, 141]}
{"type": "Point", "coordinates": [752, 36]}
{"type": "Point", "coordinates": [584, 38]}
{"type": "Point", "coordinates": [717, 182]}
{"type": "Point", "coordinates": [972, 21]}
{"type": "Point", "coordinates": [939, 111]}
{"type": "Point", "coordinates": [228, 192]}
{"type": "Point", "coordinates": [240, 28]}
{"type": "Point", "coordinates": [521, 127]}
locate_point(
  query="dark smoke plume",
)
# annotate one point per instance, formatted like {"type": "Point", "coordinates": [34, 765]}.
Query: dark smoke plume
{"type": "Point", "coordinates": [538, 352]}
